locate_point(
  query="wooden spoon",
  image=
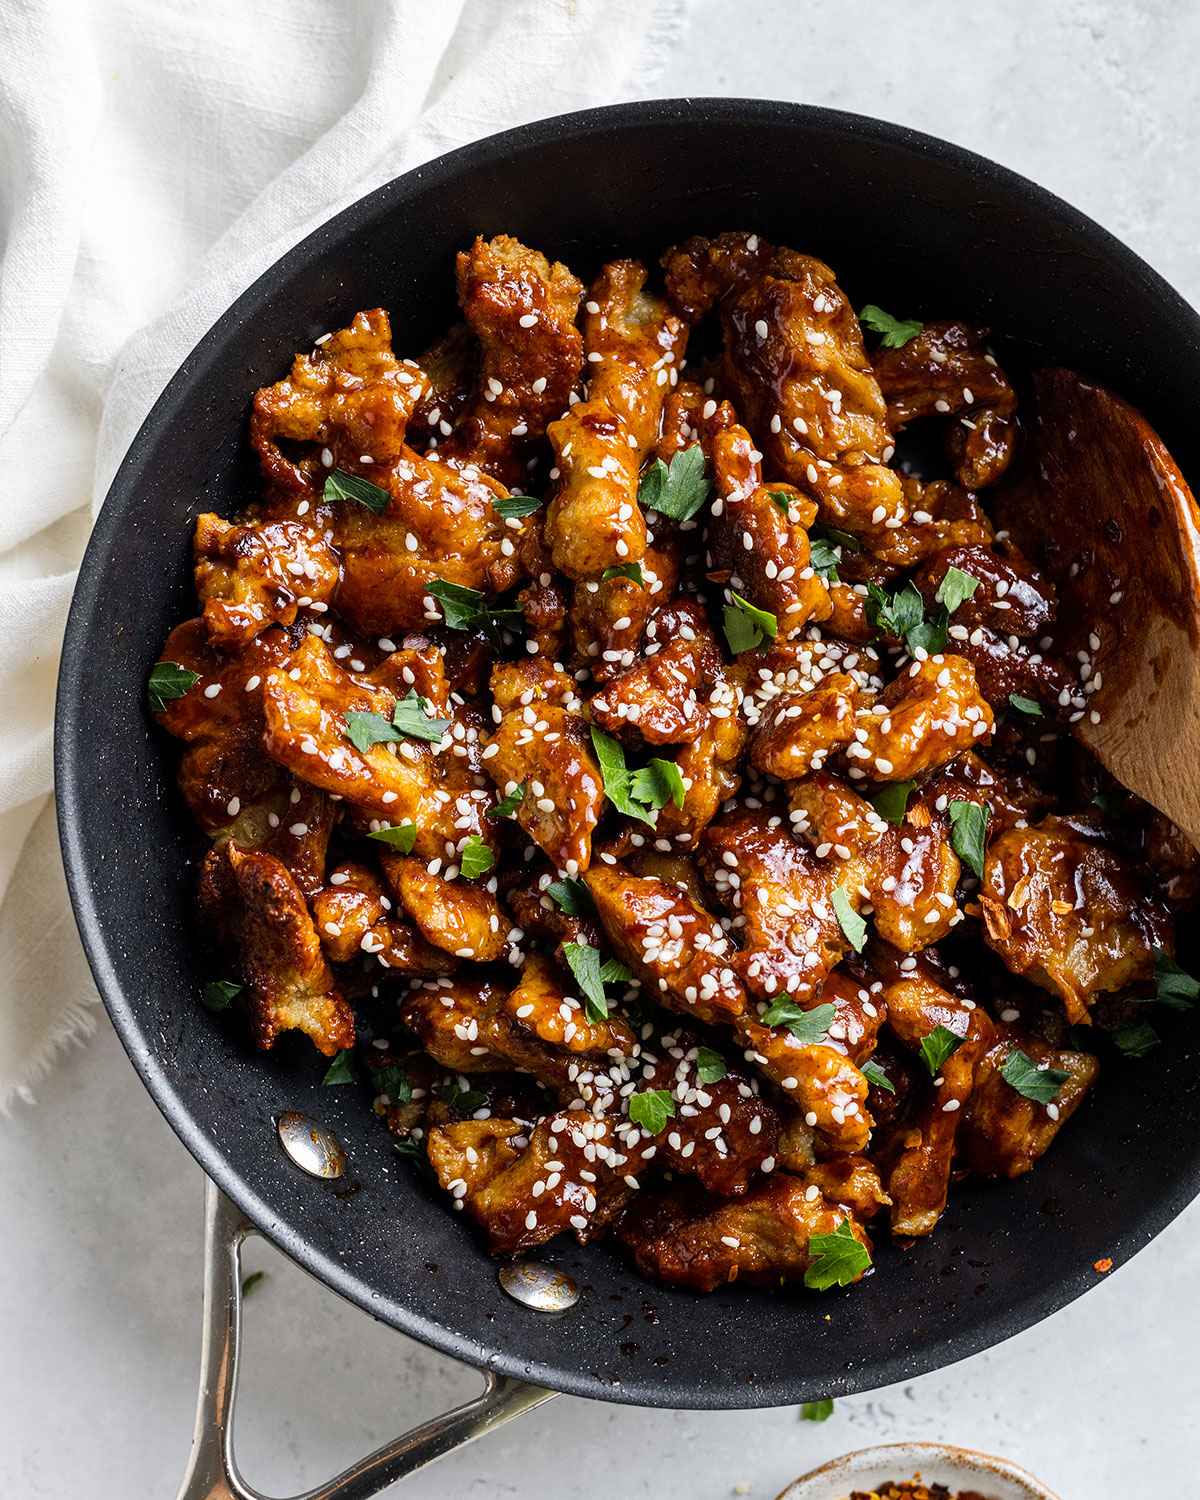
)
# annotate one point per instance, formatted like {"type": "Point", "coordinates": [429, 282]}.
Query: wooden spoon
{"type": "Point", "coordinates": [1104, 509]}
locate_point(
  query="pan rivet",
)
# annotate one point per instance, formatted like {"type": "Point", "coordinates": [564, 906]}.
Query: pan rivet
{"type": "Point", "coordinates": [540, 1287]}
{"type": "Point", "coordinates": [312, 1147]}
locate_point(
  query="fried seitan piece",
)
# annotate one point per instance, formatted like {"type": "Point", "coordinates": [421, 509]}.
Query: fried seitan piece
{"type": "Point", "coordinates": [633, 348]}
{"type": "Point", "coordinates": [461, 917]}
{"type": "Point", "coordinates": [1012, 597]}
{"type": "Point", "coordinates": [440, 523]}
{"type": "Point", "coordinates": [1003, 1133]}
{"type": "Point", "coordinates": [758, 537]}
{"type": "Point", "coordinates": [525, 1189]}
{"type": "Point", "coordinates": [451, 367]}
{"type": "Point", "coordinates": [522, 309]}
{"type": "Point", "coordinates": [762, 1238]}
{"type": "Point", "coordinates": [790, 936]}
{"type": "Point", "coordinates": [354, 915]}
{"type": "Point", "coordinates": [464, 1025]}
{"type": "Point", "coordinates": [849, 1182]}
{"type": "Point", "coordinates": [681, 693]}
{"type": "Point", "coordinates": [795, 368]}
{"type": "Point", "coordinates": [908, 871]}
{"type": "Point", "coordinates": [306, 711]}
{"type": "Point", "coordinates": [923, 719]}
{"type": "Point", "coordinates": [349, 401]}
{"type": "Point", "coordinates": [721, 1132]}
{"type": "Point", "coordinates": [546, 750]}
{"type": "Point", "coordinates": [678, 950]}
{"type": "Point", "coordinates": [1065, 911]}
{"type": "Point", "coordinates": [798, 731]}
{"type": "Point", "coordinates": [946, 370]}
{"type": "Point", "coordinates": [826, 1087]}
{"type": "Point", "coordinates": [921, 1151]}
{"type": "Point", "coordinates": [259, 913]}
{"type": "Point", "coordinates": [257, 574]}
{"type": "Point", "coordinates": [701, 271]}
{"type": "Point", "coordinates": [543, 1003]}
{"type": "Point", "coordinates": [660, 696]}
{"type": "Point", "coordinates": [609, 615]}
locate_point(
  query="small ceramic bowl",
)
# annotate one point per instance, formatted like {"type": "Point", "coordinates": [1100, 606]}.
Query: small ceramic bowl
{"type": "Point", "coordinates": [936, 1463]}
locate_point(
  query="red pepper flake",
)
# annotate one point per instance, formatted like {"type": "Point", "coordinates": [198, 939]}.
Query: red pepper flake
{"type": "Point", "coordinates": [1102, 1267]}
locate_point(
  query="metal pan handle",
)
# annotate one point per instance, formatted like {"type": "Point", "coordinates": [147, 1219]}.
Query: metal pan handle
{"type": "Point", "coordinates": [212, 1472]}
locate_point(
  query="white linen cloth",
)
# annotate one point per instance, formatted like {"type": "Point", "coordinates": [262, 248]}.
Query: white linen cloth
{"type": "Point", "coordinates": [155, 157]}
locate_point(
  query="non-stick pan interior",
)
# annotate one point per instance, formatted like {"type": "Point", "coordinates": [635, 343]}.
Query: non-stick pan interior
{"type": "Point", "coordinates": [917, 226]}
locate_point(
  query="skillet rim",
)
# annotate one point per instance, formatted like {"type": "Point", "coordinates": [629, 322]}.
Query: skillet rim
{"type": "Point", "coordinates": [608, 121]}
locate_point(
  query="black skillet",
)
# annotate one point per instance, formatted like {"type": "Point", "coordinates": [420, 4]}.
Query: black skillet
{"type": "Point", "coordinates": [912, 223]}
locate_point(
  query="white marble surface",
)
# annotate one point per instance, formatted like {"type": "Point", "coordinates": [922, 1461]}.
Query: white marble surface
{"type": "Point", "coordinates": [100, 1253]}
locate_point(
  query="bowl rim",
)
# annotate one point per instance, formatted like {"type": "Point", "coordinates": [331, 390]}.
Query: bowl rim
{"type": "Point", "coordinates": [971, 1462]}
{"type": "Point", "coordinates": [938, 1352]}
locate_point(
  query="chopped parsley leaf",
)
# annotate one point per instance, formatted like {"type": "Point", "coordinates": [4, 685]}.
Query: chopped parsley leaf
{"type": "Point", "coordinates": [651, 1109]}
{"type": "Point", "coordinates": [873, 1073]}
{"type": "Point", "coordinates": [891, 800]}
{"type": "Point", "coordinates": [400, 836]}
{"type": "Point", "coordinates": [342, 486]}
{"type": "Point", "coordinates": [341, 1069]}
{"type": "Point", "coordinates": [508, 804]}
{"type": "Point", "coordinates": [747, 626]}
{"type": "Point", "coordinates": [219, 994]}
{"type": "Point", "coordinates": [937, 1047]}
{"type": "Point", "coordinates": [571, 896]}
{"type": "Point", "coordinates": [836, 1259]}
{"type": "Point", "coordinates": [168, 681]}
{"type": "Point", "coordinates": [710, 1065]}
{"type": "Point", "coordinates": [632, 571]}
{"type": "Point", "coordinates": [808, 1026]}
{"type": "Point", "coordinates": [968, 832]}
{"type": "Point", "coordinates": [896, 332]}
{"type": "Point", "coordinates": [853, 927]}
{"type": "Point", "coordinates": [475, 858]}
{"type": "Point", "coordinates": [1042, 1085]}
{"type": "Point", "coordinates": [679, 489]}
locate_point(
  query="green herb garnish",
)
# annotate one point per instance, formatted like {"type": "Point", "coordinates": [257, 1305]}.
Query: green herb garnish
{"type": "Point", "coordinates": [837, 1259]}
{"type": "Point", "coordinates": [891, 801]}
{"type": "Point", "coordinates": [1028, 706]}
{"type": "Point", "coordinates": [873, 1073]}
{"type": "Point", "coordinates": [409, 721]}
{"type": "Point", "coordinates": [168, 681]}
{"type": "Point", "coordinates": [808, 1026]}
{"type": "Point", "coordinates": [394, 1082]}
{"type": "Point", "coordinates": [400, 836]}
{"type": "Point", "coordinates": [508, 804]}
{"type": "Point", "coordinates": [572, 897]}
{"type": "Point", "coordinates": [342, 486]}
{"type": "Point", "coordinates": [632, 571]}
{"type": "Point", "coordinates": [937, 1047]}
{"type": "Point", "coordinates": [747, 626]}
{"type": "Point", "coordinates": [824, 559]}
{"type": "Point", "coordinates": [1136, 1039]}
{"type": "Point", "coordinates": [475, 858]}
{"type": "Point", "coordinates": [896, 332]}
{"type": "Point", "coordinates": [516, 506]}
{"type": "Point", "coordinates": [467, 609]}
{"type": "Point", "coordinates": [1172, 986]}
{"type": "Point", "coordinates": [968, 832]}
{"type": "Point", "coordinates": [710, 1065]}
{"type": "Point", "coordinates": [817, 1411]}
{"type": "Point", "coordinates": [341, 1069]}
{"type": "Point", "coordinates": [651, 1109]}
{"type": "Point", "coordinates": [854, 929]}
{"type": "Point", "coordinates": [1042, 1085]}
{"type": "Point", "coordinates": [640, 793]}
{"type": "Point", "coordinates": [679, 489]}
{"type": "Point", "coordinates": [219, 994]}
{"type": "Point", "coordinates": [592, 975]}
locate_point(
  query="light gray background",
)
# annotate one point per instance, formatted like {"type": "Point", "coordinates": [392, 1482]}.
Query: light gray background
{"type": "Point", "coordinates": [100, 1251]}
